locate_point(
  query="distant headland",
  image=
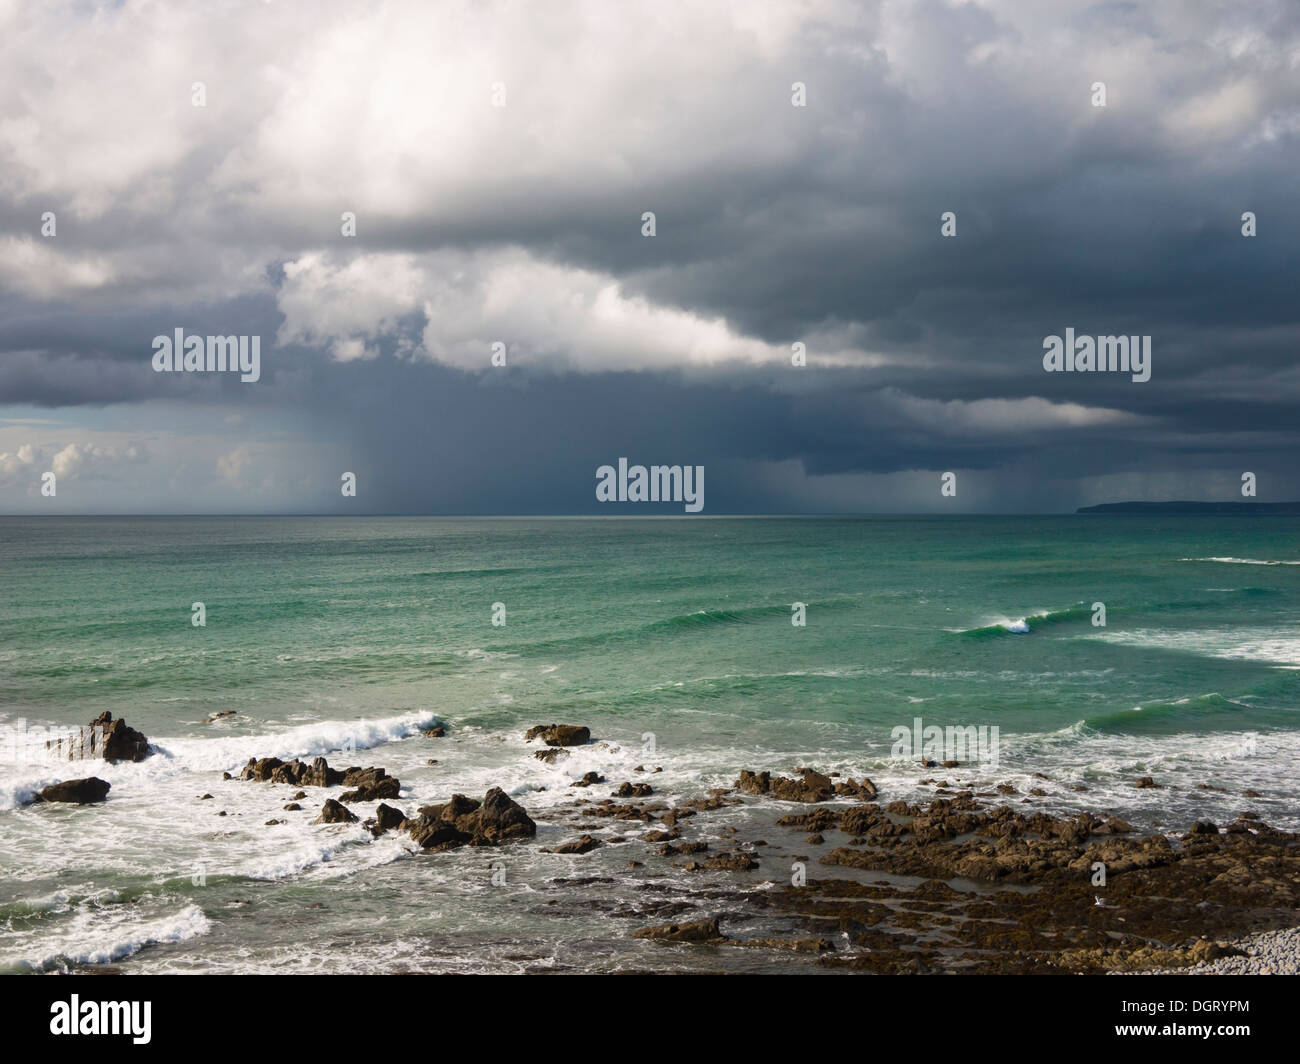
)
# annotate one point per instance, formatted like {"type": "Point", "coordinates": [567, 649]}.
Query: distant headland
{"type": "Point", "coordinates": [1269, 508]}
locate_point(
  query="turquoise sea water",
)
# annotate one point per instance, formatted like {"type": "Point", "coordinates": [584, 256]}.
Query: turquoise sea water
{"type": "Point", "coordinates": [670, 638]}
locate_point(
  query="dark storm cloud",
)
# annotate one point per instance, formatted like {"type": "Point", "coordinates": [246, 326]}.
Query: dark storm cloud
{"type": "Point", "coordinates": [775, 225]}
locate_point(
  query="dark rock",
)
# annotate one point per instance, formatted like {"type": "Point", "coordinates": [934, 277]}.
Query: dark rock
{"type": "Point", "coordinates": [1145, 782]}
{"type": "Point", "coordinates": [103, 738]}
{"type": "Point", "coordinates": [435, 733]}
{"type": "Point", "coordinates": [82, 791]}
{"type": "Point", "coordinates": [550, 756]}
{"type": "Point", "coordinates": [334, 813]}
{"type": "Point", "coordinates": [386, 818]}
{"type": "Point", "coordinates": [222, 715]}
{"type": "Point", "coordinates": [588, 779]}
{"type": "Point", "coordinates": [371, 784]}
{"type": "Point", "coordinates": [462, 820]}
{"type": "Point", "coordinates": [559, 734]}
{"type": "Point", "coordinates": [812, 787]}
{"type": "Point", "coordinates": [273, 770]}
{"type": "Point", "coordinates": [633, 790]}
{"type": "Point", "coordinates": [699, 931]}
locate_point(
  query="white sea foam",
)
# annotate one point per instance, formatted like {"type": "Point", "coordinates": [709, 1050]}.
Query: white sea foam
{"type": "Point", "coordinates": [101, 935]}
{"type": "Point", "coordinates": [1240, 561]}
{"type": "Point", "coordinates": [1280, 646]}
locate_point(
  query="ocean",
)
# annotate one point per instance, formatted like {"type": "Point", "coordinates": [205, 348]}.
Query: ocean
{"type": "Point", "coordinates": [671, 638]}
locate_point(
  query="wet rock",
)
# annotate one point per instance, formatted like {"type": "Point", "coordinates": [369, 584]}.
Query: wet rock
{"type": "Point", "coordinates": [221, 716]}
{"type": "Point", "coordinates": [386, 818]}
{"type": "Point", "coordinates": [585, 844]}
{"type": "Point", "coordinates": [333, 812]}
{"type": "Point", "coordinates": [551, 756]}
{"type": "Point", "coordinates": [82, 791]}
{"type": "Point", "coordinates": [370, 785]}
{"type": "Point", "coordinates": [273, 770]}
{"type": "Point", "coordinates": [633, 790]}
{"type": "Point", "coordinates": [588, 780]}
{"type": "Point", "coordinates": [292, 807]}
{"type": "Point", "coordinates": [559, 734]}
{"type": "Point", "coordinates": [437, 732]}
{"type": "Point", "coordinates": [104, 738]}
{"type": "Point", "coordinates": [463, 821]}
{"type": "Point", "coordinates": [698, 931]}
{"type": "Point", "coordinates": [1146, 782]}
{"type": "Point", "coordinates": [811, 787]}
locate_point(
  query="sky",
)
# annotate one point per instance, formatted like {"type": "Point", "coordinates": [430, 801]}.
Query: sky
{"type": "Point", "coordinates": [197, 167]}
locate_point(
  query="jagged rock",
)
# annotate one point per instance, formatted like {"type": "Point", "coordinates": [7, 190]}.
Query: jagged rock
{"type": "Point", "coordinates": [222, 715]}
{"type": "Point", "coordinates": [559, 734]}
{"type": "Point", "coordinates": [103, 738]}
{"type": "Point", "coordinates": [82, 791]}
{"type": "Point", "coordinates": [434, 733]}
{"type": "Point", "coordinates": [371, 785]}
{"type": "Point", "coordinates": [811, 787]}
{"type": "Point", "coordinates": [588, 779]}
{"type": "Point", "coordinates": [551, 756]}
{"type": "Point", "coordinates": [334, 813]}
{"type": "Point", "coordinates": [698, 931]}
{"type": "Point", "coordinates": [386, 818]}
{"type": "Point", "coordinates": [273, 770]}
{"type": "Point", "coordinates": [633, 790]}
{"type": "Point", "coordinates": [461, 821]}
{"type": "Point", "coordinates": [866, 790]}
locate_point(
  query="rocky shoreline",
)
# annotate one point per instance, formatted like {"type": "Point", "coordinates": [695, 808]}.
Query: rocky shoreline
{"type": "Point", "coordinates": [964, 883]}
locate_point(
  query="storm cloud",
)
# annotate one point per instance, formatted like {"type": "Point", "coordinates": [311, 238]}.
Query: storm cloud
{"type": "Point", "coordinates": [202, 164]}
